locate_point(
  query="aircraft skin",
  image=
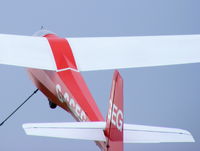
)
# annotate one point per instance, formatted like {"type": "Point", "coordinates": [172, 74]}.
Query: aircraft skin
{"type": "Point", "coordinates": [50, 62]}
{"type": "Point", "coordinates": [67, 88]}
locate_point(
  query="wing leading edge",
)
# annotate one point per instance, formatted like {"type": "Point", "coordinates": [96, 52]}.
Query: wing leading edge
{"type": "Point", "coordinates": [95, 131]}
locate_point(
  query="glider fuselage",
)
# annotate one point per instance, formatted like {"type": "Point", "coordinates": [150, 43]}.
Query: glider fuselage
{"type": "Point", "coordinates": [66, 87]}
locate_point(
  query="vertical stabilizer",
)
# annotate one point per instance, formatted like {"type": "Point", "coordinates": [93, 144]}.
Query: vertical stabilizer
{"type": "Point", "coordinates": [115, 118]}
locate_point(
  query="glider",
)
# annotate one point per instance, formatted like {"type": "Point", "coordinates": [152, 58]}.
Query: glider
{"type": "Point", "coordinates": [55, 65]}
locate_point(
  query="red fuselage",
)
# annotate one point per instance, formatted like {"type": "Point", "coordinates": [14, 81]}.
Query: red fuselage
{"type": "Point", "coordinates": [66, 87]}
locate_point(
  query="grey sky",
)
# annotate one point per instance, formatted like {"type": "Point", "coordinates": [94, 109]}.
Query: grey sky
{"type": "Point", "coordinates": [159, 96]}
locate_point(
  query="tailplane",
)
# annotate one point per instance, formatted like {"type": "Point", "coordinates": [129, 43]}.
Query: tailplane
{"type": "Point", "coordinates": [113, 132]}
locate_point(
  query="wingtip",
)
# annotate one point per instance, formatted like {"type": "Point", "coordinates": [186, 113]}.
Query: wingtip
{"type": "Point", "coordinates": [25, 126]}
{"type": "Point", "coordinates": [190, 138]}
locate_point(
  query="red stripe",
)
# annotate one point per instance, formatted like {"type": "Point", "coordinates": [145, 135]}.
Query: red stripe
{"type": "Point", "coordinates": [71, 81]}
{"type": "Point", "coordinates": [62, 52]}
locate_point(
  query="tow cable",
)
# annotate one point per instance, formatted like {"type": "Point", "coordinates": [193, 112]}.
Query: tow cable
{"type": "Point", "coordinates": [18, 107]}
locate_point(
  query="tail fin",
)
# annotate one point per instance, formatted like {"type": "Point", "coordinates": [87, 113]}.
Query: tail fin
{"type": "Point", "coordinates": [115, 118]}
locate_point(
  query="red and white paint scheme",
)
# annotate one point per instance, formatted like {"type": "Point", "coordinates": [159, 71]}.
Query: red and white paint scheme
{"type": "Point", "coordinates": [55, 65]}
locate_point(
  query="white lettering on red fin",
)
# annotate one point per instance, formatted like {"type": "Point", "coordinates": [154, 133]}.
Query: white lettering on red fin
{"type": "Point", "coordinates": [115, 115]}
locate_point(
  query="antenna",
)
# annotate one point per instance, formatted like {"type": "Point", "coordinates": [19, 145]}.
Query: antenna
{"type": "Point", "coordinates": [42, 28]}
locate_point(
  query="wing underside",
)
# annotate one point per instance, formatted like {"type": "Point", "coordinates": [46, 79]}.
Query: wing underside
{"type": "Point", "coordinates": [130, 52]}
{"type": "Point", "coordinates": [101, 53]}
{"type": "Point", "coordinates": [26, 51]}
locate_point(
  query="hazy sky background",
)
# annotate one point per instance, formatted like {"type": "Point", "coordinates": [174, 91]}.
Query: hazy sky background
{"type": "Point", "coordinates": [160, 96]}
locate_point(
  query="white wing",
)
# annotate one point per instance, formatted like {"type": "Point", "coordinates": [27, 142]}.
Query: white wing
{"type": "Point", "coordinates": [129, 52]}
{"type": "Point", "coordinates": [102, 53]}
{"type": "Point", "coordinates": [26, 51]}
{"type": "Point", "coordinates": [95, 131]}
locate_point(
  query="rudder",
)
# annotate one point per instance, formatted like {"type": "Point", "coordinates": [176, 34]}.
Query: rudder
{"type": "Point", "coordinates": [115, 118]}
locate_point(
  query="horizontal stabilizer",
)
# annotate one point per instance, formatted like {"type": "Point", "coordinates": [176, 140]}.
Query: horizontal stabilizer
{"type": "Point", "coordinates": [95, 131]}
{"type": "Point", "coordinates": [150, 134]}
{"type": "Point", "coordinates": [100, 53]}
{"type": "Point", "coordinates": [75, 130]}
